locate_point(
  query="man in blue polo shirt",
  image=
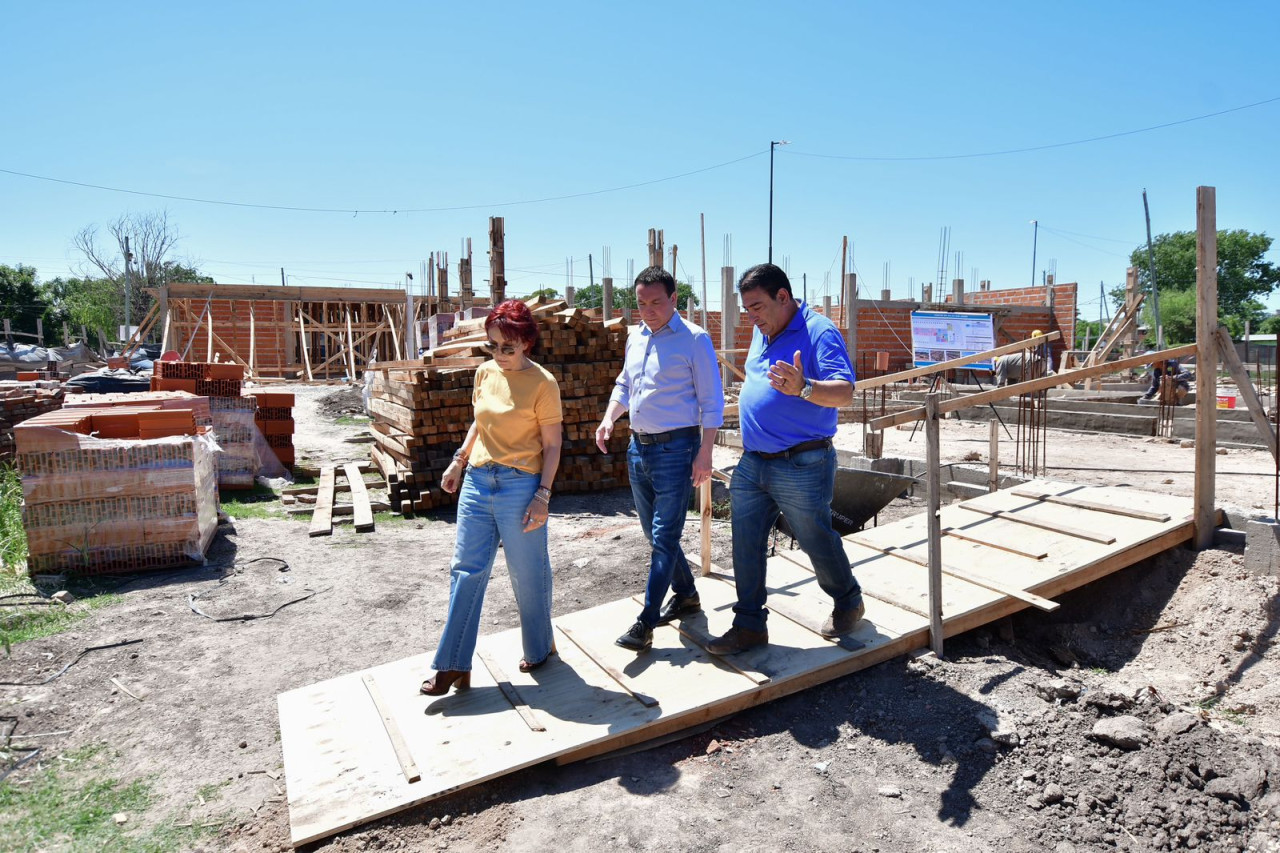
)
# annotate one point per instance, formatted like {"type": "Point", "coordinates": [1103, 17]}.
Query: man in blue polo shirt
{"type": "Point", "coordinates": [670, 382]}
{"type": "Point", "coordinates": [798, 374]}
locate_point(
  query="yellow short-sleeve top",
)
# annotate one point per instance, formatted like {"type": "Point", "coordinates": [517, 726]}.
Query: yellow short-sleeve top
{"type": "Point", "coordinates": [511, 407]}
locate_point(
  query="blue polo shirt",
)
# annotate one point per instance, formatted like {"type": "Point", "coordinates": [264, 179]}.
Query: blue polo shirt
{"type": "Point", "coordinates": [773, 421]}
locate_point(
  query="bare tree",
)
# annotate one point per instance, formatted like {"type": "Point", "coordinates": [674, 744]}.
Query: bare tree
{"type": "Point", "coordinates": [151, 237]}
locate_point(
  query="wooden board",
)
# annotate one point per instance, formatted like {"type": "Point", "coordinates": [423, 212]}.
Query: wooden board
{"type": "Point", "coordinates": [322, 516]}
{"type": "Point", "coordinates": [359, 497]}
{"type": "Point", "coordinates": [342, 768]}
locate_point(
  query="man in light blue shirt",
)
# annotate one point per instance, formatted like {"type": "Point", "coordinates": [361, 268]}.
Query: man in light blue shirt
{"type": "Point", "coordinates": [670, 383]}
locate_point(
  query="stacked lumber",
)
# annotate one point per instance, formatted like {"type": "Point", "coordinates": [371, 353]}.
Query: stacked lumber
{"type": "Point", "coordinates": [421, 410]}
{"type": "Point", "coordinates": [117, 488]}
{"type": "Point", "coordinates": [274, 418]}
{"type": "Point", "coordinates": [20, 402]}
{"type": "Point", "coordinates": [233, 414]}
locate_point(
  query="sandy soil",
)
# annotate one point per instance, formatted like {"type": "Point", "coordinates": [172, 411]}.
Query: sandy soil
{"type": "Point", "coordinates": [1006, 745]}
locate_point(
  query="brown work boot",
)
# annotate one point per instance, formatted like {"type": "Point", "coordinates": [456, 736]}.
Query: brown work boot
{"type": "Point", "coordinates": [738, 640]}
{"type": "Point", "coordinates": [841, 622]}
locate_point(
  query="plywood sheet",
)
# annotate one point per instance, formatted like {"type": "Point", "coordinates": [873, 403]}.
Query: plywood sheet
{"type": "Point", "coordinates": [342, 769]}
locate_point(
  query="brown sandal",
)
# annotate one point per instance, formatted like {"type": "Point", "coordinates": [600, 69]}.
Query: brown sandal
{"type": "Point", "coordinates": [525, 666]}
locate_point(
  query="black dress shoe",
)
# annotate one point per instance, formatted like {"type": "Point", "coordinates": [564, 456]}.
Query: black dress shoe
{"type": "Point", "coordinates": [678, 606]}
{"type": "Point", "coordinates": [639, 638]}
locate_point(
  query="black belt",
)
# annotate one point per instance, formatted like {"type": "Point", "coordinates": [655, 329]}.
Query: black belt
{"type": "Point", "coordinates": [664, 437]}
{"type": "Point", "coordinates": [816, 444]}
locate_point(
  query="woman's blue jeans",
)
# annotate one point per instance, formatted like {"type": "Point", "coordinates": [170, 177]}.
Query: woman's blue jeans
{"type": "Point", "coordinates": [800, 487]}
{"type": "Point", "coordinates": [491, 505]}
{"type": "Point", "coordinates": [661, 482]}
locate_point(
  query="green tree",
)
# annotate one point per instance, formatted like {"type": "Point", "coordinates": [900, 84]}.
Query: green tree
{"type": "Point", "coordinates": [20, 298]}
{"type": "Point", "coordinates": [592, 296]}
{"type": "Point", "coordinates": [545, 292]}
{"type": "Point", "coordinates": [90, 302]}
{"type": "Point", "coordinates": [1244, 274]}
{"type": "Point", "coordinates": [1270, 326]}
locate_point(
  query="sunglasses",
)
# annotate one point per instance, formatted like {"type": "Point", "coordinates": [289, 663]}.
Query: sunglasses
{"type": "Point", "coordinates": [505, 349]}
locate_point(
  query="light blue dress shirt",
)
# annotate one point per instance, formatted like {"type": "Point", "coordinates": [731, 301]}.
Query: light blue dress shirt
{"type": "Point", "coordinates": [670, 378]}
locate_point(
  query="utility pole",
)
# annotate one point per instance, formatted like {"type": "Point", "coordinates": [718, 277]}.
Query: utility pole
{"type": "Point", "coordinates": [128, 286]}
{"type": "Point", "coordinates": [1151, 267]}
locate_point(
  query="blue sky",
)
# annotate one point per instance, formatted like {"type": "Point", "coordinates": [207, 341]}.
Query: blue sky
{"type": "Point", "coordinates": [431, 106]}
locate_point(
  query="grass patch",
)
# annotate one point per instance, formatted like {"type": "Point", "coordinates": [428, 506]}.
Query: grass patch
{"type": "Point", "coordinates": [353, 420]}
{"type": "Point", "coordinates": [20, 624]}
{"type": "Point", "coordinates": [71, 807]}
{"type": "Point", "coordinates": [258, 502]}
{"type": "Point", "coordinates": [13, 538]}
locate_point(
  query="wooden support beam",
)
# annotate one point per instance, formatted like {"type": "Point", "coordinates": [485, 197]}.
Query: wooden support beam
{"type": "Point", "coordinates": [914, 373]}
{"type": "Point", "coordinates": [511, 693]}
{"type": "Point", "coordinates": [306, 357]}
{"type": "Point", "coordinates": [322, 516]}
{"type": "Point", "coordinates": [1065, 530]}
{"type": "Point", "coordinates": [729, 364]}
{"type": "Point", "coordinates": [618, 677]}
{"type": "Point", "coordinates": [1206, 363]}
{"type": "Point", "coordinates": [253, 344]}
{"type": "Point", "coordinates": [351, 344]}
{"type": "Point", "coordinates": [934, 461]}
{"type": "Point", "coordinates": [704, 499]}
{"type": "Point", "coordinates": [403, 755]}
{"type": "Point", "coordinates": [1028, 387]}
{"type": "Point", "coordinates": [993, 456]}
{"type": "Point", "coordinates": [1093, 505]}
{"type": "Point", "coordinates": [1240, 375]}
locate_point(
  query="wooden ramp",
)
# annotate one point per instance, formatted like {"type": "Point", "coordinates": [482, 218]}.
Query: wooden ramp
{"type": "Point", "coordinates": [365, 745]}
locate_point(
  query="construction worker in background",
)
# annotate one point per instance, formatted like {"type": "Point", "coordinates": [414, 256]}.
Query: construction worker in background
{"type": "Point", "coordinates": [1020, 366]}
{"type": "Point", "coordinates": [1180, 378]}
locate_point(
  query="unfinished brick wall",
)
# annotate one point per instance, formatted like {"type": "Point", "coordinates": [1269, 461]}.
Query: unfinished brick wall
{"type": "Point", "coordinates": [885, 326]}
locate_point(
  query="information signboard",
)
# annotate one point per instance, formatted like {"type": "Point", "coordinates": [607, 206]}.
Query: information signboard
{"type": "Point", "coordinates": [943, 335]}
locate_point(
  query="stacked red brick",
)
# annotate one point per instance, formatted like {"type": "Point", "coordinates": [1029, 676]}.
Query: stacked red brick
{"type": "Point", "coordinates": [20, 401]}
{"type": "Point", "coordinates": [121, 488]}
{"type": "Point", "coordinates": [421, 414]}
{"type": "Point", "coordinates": [233, 414]}
{"type": "Point", "coordinates": [274, 418]}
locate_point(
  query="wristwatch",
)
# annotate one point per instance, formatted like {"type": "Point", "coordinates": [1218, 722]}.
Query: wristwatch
{"type": "Point", "coordinates": [807, 391]}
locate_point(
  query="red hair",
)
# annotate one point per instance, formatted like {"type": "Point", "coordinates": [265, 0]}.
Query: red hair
{"type": "Point", "coordinates": [515, 321]}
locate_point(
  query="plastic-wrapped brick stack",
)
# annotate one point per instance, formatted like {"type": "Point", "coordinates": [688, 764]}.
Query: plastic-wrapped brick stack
{"type": "Point", "coordinates": [234, 427]}
{"type": "Point", "coordinates": [274, 418]}
{"type": "Point", "coordinates": [22, 400]}
{"type": "Point", "coordinates": [143, 498]}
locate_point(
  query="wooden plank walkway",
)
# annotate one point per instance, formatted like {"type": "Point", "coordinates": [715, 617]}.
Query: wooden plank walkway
{"type": "Point", "coordinates": [347, 756]}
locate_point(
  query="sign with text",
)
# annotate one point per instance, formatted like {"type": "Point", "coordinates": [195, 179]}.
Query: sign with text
{"type": "Point", "coordinates": [944, 335]}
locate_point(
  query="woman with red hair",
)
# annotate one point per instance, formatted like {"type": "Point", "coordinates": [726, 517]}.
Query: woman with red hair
{"type": "Point", "coordinates": [509, 460]}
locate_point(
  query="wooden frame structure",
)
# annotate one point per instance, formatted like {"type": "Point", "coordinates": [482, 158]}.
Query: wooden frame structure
{"type": "Point", "coordinates": [311, 333]}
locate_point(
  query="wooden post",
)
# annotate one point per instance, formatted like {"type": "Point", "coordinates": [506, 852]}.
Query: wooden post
{"type": "Point", "coordinates": [66, 333]}
{"type": "Point", "coordinates": [702, 224]}
{"type": "Point", "coordinates": [351, 345]}
{"type": "Point", "coordinates": [568, 295]}
{"type": "Point", "coordinates": [465, 294]}
{"type": "Point", "coordinates": [993, 456]}
{"type": "Point", "coordinates": [934, 462]}
{"type": "Point", "coordinates": [704, 496]}
{"type": "Point", "coordinates": [409, 352]}
{"type": "Point", "coordinates": [1130, 298]}
{"type": "Point", "coordinates": [39, 332]}
{"type": "Point", "coordinates": [164, 313]}
{"type": "Point", "coordinates": [253, 343]}
{"type": "Point", "coordinates": [306, 358]}
{"type": "Point", "coordinates": [606, 298]}
{"type": "Point", "coordinates": [497, 260]}
{"type": "Point", "coordinates": [1206, 363]}
{"type": "Point", "coordinates": [728, 321]}
{"type": "Point", "coordinates": [208, 332]}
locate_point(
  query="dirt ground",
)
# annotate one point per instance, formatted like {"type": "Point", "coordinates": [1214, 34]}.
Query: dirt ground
{"type": "Point", "coordinates": [1144, 714]}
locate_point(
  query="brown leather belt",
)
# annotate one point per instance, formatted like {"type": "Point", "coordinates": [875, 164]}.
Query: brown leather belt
{"type": "Point", "coordinates": [816, 444]}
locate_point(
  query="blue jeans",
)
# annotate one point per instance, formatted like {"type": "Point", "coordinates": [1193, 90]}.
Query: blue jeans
{"type": "Point", "coordinates": [661, 482]}
{"type": "Point", "coordinates": [491, 505]}
{"type": "Point", "coordinates": [801, 488]}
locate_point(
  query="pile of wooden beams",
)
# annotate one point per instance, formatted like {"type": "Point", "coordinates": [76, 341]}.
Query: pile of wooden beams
{"type": "Point", "coordinates": [421, 410]}
{"type": "Point", "coordinates": [117, 487]}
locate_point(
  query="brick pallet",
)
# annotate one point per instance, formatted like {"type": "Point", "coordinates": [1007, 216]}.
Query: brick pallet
{"type": "Point", "coordinates": [20, 401]}
{"type": "Point", "coordinates": [421, 413]}
{"type": "Point", "coordinates": [143, 497]}
{"type": "Point", "coordinates": [234, 424]}
{"type": "Point", "coordinates": [274, 418]}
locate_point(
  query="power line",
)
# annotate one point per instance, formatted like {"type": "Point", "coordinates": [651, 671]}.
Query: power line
{"type": "Point", "coordinates": [793, 153]}
{"type": "Point", "coordinates": [392, 211]}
